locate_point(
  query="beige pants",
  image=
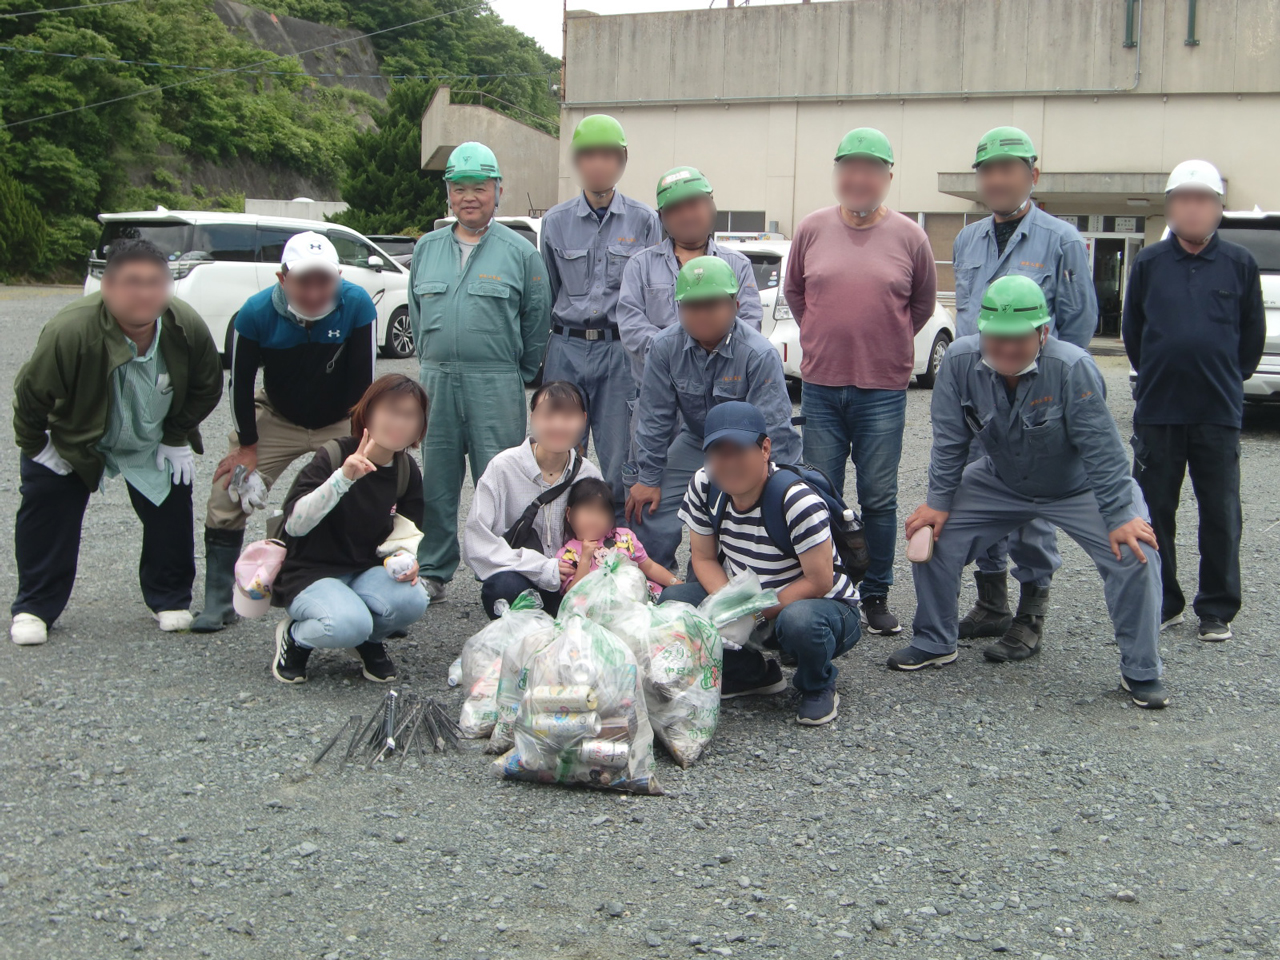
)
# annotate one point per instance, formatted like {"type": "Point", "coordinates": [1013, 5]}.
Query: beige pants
{"type": "Point", "coordinates": [279, 444]}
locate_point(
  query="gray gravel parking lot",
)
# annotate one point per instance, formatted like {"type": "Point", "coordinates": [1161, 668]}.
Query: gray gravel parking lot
{"type": "Point", "coordinates": [158, 797]}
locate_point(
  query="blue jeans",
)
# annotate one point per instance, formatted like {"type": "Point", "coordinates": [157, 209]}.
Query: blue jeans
{"type": "Point", "coordinates": [350, 610]}
{"type": "Point", "coordinates": [843, 423]}
{"type": "Point", "coordinates": [815, 632]}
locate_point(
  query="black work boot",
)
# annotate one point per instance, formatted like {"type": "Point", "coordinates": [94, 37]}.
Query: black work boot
{"type": "Point", "coordinates": [1022, 639]}
{"type": "Point", "coordinates": [221, 551]}
{"type": "Point", "coordinates": [990, 616]}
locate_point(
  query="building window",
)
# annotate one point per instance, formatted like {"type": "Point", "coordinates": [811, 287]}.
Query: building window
{"type": "Point", "coordinates": [740, 221]}
{"type": "Point", "coordinates": [941, 229]}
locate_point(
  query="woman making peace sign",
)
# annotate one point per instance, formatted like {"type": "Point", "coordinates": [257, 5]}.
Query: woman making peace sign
{"type": "Point", "coordinates": [339, 590]}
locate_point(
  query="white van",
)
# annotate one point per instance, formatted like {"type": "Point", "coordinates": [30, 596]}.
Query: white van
{"type": "Point", "coordinates": [220, 260]}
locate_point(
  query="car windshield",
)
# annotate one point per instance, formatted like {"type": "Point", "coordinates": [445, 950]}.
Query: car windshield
{"type": "Point", "coordinates": [768, 269]}
{"type": "Point", "coordinates": [1261, 238]}
{"type": "Point", "coordinates": [173, 239]}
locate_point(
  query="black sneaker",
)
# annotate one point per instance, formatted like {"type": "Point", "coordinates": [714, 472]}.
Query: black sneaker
{"type": "Point", "coordinates": [377, 665]}
{"type": "Point", "coordinates": [876, 616]}
{"type": "Point", "coordinates": [768, 682]}
{"type": "Point", "coordinates": [1213, 630]}
{"type": "Point", "coordinates": [290, 664]}
{"type": "Point", "coordinates": [1168, 619]}
{"type": "Point", "coordinates": [818, 708]}
{"type": "Point", "coordinates": [913, 658]}
{"type": "Point", "coordinates": [1148, 694]}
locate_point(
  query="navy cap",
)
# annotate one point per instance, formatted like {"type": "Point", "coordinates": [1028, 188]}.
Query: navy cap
{"type": "Point", "coordinates": [737, 421]}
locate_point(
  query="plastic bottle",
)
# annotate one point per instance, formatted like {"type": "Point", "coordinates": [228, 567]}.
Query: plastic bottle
{"type": "Point", "coordinates": [455, 672]}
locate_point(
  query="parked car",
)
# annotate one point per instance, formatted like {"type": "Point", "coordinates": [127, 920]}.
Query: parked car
{"type": "Point", "coordinates": [1259, 233]}
{"type": "Point", "coordinates": [769, 258]}
{"type": "Point", "coordinates": [219, 260]}
{"type": "Point", "coordinates": [398, 245]}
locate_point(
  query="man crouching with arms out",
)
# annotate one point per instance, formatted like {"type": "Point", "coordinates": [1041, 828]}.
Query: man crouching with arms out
{"type": "Point", "coordinates": [1038, 408]}
{"type": "Point", "coordinates": [817, 617]}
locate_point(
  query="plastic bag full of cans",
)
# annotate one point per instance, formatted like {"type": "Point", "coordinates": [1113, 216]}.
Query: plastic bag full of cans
{"type": "Point", "coordinates": [582, 717]}
{"type": "Point", "coordinates": [481, 659]}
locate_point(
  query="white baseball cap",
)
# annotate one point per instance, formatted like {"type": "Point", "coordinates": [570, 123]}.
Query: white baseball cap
{"type": "Point", "coordinates": [310, 251]}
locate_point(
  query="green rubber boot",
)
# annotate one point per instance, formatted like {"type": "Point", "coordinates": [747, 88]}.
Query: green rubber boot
{"type": "Point", "coordinates": [221, 551]}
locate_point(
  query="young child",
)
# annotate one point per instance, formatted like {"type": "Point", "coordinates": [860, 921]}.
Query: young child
{"type": "Point", "coordinates": [590, 535]}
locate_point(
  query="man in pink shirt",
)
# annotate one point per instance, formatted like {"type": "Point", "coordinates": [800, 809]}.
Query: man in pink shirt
{"type": "Point", "coordinates": [861, 283]}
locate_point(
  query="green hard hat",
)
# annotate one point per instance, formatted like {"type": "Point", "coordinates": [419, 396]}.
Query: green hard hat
{"type": "Point", "coordinates": [865, 142]}
{"type": "Point", "coordinates": [1003, 142]}
{"type": "Point", "coordinates": [1013, 306]}
{"type": "Point", "coordinates": [599, 131]}
{"type": "Point", "coordinates": [681, 183]}
{"type": "Point", "coordinates": [705, 278]}
{"type": "Point", "coordinates": [472, 161]}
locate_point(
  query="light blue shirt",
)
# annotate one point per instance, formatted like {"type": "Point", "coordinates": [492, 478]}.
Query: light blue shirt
{"type": "Point", "coordinates": [141, 395]}
{"type": "Point", "coordinates": [647, 301]}
{"type": "Point", "coordinates": [1044, 248]}
{"type": "Point", "coordinates": [585, 256]}
{"type": "Point", "coordinates": [683, 380]}
{"type": "Point", "coordinates": [1054, 439]}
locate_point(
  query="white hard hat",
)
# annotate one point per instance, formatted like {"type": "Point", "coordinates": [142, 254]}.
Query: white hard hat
{"type": "Point", "coordinates": [1195, 175]}
{"type": "Point", "coordinates": [310, 251]}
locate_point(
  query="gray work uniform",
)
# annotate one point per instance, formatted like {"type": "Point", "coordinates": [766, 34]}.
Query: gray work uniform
{"type": "Point", "coordinates": [1053, 254]}
{"type": "Point", "coordinates": [682, 382]}
{"type": "Point", "coordinates": [1051, 452]}
{"type": "Point", "coordinates": [585, 256]}
{"type": "Point", "coordinates": [647, 301]}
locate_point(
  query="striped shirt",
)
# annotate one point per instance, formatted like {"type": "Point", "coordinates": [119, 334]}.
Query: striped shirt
{"type": "Point", "coordinates": [141, 394]}
{"type": "Point", "coordinates": [745, 544]}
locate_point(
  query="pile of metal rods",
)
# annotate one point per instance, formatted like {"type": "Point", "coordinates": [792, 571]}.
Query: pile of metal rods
{"type": "Point", "coordinates": [400, 726]}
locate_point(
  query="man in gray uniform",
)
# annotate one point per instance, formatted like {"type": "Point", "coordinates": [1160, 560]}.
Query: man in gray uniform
{"type": "Point", "coordinates": [1037, 407]}
{"type": "Point", "coordinates": [586, 242]}
{"type": "Point", "coordinates": [709, 358]}
{"type": "Point", "coordinates": [1019, 238]}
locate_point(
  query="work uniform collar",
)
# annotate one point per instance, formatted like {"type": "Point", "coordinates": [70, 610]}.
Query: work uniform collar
{"type": "Point", "coordinates": [724, 348]}
{"type": "Point", "coordinates": [584, 208]}
{"type": "Point", "coordinates": [1210, 252]}
{"type": "Point", "coordinates": [1033, 367]}
{"type": "Point", "coordinates": [120, 350]}
{"type": "Point", "coordinates": [151, 350]}
{"type": "Point", "coordinates": [988, 226]}
{"type": "Point", "coordinates": [668, 248]}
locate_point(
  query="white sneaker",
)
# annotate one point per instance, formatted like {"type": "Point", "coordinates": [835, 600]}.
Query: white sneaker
{"type": "Point", "coordinates": [435, 589]}
{"type": "Point", "coordinates": [172, 621]}
{"type": "Point", "coordinates": [28, 630]}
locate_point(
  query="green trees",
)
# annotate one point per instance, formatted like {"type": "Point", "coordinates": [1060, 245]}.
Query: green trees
{"type": "Point", "coordinates": [22, 230]}
{"type": "Point", "coordinates": [70, 159]}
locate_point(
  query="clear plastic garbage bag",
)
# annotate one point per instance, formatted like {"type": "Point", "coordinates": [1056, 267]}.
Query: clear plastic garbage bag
{"type": "Point", "coordinates": [582, 717]}
{"type": "Point", "coordinates": [733, 607]}
{"type": "Point", "coordinates": [513, 680]}
{"type": "Point", "coordinates": [682, 680]}
{"type": "Point", "coordinates": [615, 582]}
{"type": "Point", "coordinates": [482, 659]}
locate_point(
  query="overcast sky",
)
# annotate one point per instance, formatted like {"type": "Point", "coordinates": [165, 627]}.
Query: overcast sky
{"type": "Point", "coordinates": [541, 18]}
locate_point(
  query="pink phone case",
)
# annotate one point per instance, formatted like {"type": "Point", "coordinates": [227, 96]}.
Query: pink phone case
{"type": "Point", "coordinates": [920, 546]}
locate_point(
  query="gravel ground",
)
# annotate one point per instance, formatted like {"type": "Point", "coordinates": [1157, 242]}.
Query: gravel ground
{"type": "Point", "coordinates": [158, 797]}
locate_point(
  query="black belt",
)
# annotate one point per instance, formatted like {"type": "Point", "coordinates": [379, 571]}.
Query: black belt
{"type": "Point", "coordinates": [608, 332]}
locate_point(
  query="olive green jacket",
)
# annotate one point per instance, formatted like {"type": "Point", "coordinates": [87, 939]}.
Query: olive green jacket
{"type": "Point", "coordinates": [64, 390]}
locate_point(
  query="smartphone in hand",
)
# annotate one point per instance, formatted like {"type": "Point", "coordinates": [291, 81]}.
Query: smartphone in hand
{"type": "Point", "coordinates": [920, 546]}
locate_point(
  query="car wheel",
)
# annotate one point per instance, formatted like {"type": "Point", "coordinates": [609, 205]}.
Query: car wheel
{"type": "Point", "coordinates": [940, 344]}
{"type": "Point", "coordinates": [229, 341]}
{"type": "Point", "coordinates": [399, 339]}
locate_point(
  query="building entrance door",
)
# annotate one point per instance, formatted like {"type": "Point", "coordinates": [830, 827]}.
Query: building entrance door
{"type": "Point", "coordinates": [1110, 257]}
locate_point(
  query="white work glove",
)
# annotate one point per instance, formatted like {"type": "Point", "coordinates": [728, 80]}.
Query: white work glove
{"type": "Point", "coordinates": [182, 462]}
{"type": "Point", "coordinates": [401, 565]}
{"type": "Point", "coordinates": [51, 459]}
{"type": "Point", "coordinates": [736, 633]}
{"type": "Point", "coordinates": [250, 493]}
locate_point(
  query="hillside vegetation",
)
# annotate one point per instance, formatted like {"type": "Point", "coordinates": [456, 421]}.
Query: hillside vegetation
{"type": "Point", "coordinates": [58, 172]}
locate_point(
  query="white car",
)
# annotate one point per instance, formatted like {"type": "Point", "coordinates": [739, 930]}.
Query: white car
{"type": "Point", "coordinates": [1259, 233]}
{"type": "Point", "coordinates": [769, 258]}
{"type": "Point", "coordinates": [528, 227]}
{"type": "Point", "coordinates": [220, 260]}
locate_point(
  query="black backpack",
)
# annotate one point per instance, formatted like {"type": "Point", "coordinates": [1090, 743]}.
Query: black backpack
{"type": "Point", "coordinates": [846, 526]}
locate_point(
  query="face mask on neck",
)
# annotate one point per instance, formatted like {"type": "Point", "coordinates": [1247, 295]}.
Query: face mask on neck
{"type": "Point", "coordinates": [1020, 208]}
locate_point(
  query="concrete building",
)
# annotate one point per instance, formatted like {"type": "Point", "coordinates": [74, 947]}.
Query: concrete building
{"type": "Point", "coordinates": [304, 208]}
{"type": "Point", "coordinates": [528, 157]}
{"type": "Point", "coordinates": [1114, 93]}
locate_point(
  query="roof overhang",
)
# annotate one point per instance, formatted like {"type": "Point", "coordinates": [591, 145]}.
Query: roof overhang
{"type": "Point", "coordinates": [1142, 188]}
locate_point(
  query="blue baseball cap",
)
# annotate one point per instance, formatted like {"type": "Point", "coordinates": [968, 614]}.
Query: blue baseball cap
{"type": "Point", "coordinates": [737, 421]}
